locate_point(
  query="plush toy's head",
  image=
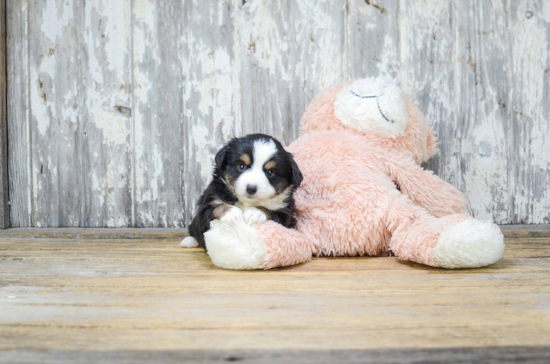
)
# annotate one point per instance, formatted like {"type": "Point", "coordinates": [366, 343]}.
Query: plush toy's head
{"type": "Point", "coordinates": [374, 107]}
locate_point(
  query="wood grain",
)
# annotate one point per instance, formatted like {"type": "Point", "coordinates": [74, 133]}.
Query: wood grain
{"type": "Point", "coordinates": [19, 134]}
{"type": "Point", "coordinates": [372, 38]}
{"type": "Point", "coordinates": [4, 189]}
{"type": "Point", "coordinates": [427, 56]}
{"type": "Point", "coordinates": [482, 66]}
{"type": "Point", "coordinates": [96, 295]}
{"type": "Point", "coordinates": [289, 51]}
{"type": "Point", "coordinates": [104, 130]}
{"type": "Point", "coordinates": [115, 111]}
{"type": "Point", "coordinates": [489, 355]}
{"type": "Point", "coordinates": [211, 99]}
{"type": "Point", "coordinates": [509, 231]}
{"type": "Point", "coordinates": [529, 110]}
{"type": "Point", "coordinates": [159, 78]}
{"type": "Point", "coordinates": [54, 125]}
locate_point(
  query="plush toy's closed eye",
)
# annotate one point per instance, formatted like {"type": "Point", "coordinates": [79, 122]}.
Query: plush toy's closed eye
{"type": "Point", "coordinates": [377, 97]}
{"type": "Point", "coordinates": [372, 106]}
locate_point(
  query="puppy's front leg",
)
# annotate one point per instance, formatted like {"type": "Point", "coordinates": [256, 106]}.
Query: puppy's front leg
{"type": "Point", "coordinates": [227, 213]}
{"type": "Point", "coordinates": [256, 215]}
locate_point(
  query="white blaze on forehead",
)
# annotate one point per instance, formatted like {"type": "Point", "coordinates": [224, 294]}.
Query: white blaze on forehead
{"type": "Point", "coordinates": [264, 150]}
{"type": "Point", "coordinates": [373, 106]}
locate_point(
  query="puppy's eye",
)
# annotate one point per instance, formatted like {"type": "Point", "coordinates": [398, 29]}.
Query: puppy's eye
{"type": "Point", "coordinates": [242, 167]}
{"type": "Point", "coordinates": [269, 173]}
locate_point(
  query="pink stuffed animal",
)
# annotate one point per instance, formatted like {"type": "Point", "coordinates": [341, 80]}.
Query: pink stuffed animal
{"type": "Point", "coordinates": [363, 192]}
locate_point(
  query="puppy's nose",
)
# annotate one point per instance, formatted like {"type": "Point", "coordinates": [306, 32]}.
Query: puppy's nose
{"type": "Point", "coordinates": [251, 189]}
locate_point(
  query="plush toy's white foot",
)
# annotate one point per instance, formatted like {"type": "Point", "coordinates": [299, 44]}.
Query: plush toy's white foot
{"type": "Point", "coordinates": [189, 242]}
{"type": "Point", "coordinates": [235, 245]}
{"type": "Point", "coordinates": [253, 215]}
{"type": "Point", "coordinates": [470, 244]}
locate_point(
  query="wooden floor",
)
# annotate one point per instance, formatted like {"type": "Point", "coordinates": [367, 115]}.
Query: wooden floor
{"type": "Point", "coordinates": [84, 299]}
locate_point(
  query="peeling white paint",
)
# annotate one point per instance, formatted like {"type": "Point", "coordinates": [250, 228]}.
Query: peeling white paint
{"type": "Point", "coordinates": [262, 35]}
{"type": "Point", "coordinates": [43, 93]}
{"type": "Point", "coordinates": [113, 125]}
{"type": "Point", "coordinates": [203, 157]}
{"type": "Point", "coordinates": [319, 37]}
{"type": "Point", "coordinates": [55, 19]}
{"type": "Point", "coordinates": [97, 190]}
{"type": "Point", "coordinates": [389, 54]}
{"type": "Point", "coordinates": [117, 23]}
{"type": "Point", "coordinates": [157, 160]}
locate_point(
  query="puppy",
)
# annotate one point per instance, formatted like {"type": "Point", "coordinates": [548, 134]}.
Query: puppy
{"type": "Point", "coordinates": [254, 180]}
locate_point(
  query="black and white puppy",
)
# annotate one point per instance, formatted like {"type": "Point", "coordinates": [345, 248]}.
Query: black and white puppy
{"type": "Point", "coordinates": [254, 180]}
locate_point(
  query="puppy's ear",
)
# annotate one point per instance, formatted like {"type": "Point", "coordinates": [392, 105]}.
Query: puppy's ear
{"type": "Point", "coordinates": [220, 157]}
{"type": "Point", "coordinates": [297, 177]}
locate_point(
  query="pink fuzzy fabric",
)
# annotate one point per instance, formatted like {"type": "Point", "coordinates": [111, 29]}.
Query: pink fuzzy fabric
{"type": "Point", "coordinates": [348, 203]}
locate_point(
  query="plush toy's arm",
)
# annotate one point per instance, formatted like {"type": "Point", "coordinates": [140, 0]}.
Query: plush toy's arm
{"type": "Point", "coordinates": [285, 246]}
{"type": "Point", "coordinates": [426, 189]}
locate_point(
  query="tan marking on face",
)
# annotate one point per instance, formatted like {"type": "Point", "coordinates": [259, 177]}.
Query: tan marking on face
{"type": "Point", "coordinates": [270, 165]}
{"type": "Point", "coordinates": [280, 189]}
{"type": "Point", "coordinates": [266, 212]}
{"type": "Point", "coordinates": [227, 181]}
{"type": "Point", "coordinates": [246, 159]}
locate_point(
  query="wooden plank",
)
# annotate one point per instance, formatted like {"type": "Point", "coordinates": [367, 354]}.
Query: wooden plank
{"type": "Point", "coordinates": [428, 59]}
{"type": "Point", "coordinates": [460, 72]}
{"type": "Point", "coordinates": [528, 354]}
{"type": "Point", "coordinates": [456, 67]}
{"type": "Point", "coordinates": [317, 55]}
{"type": "Point", "coordinates": [290, 51]}
{"type": "Point", "coordinates": [152, 296]}
{"type": "Point", "coordinates": [79, 91]}
{"type": "Point", "coordinates": [482, 98]}
{"type": "Point", "coordinates": [509, 231]}
{"type": "Point", "coordinates": [19, 155]}
{"type": "Point", "coordinates": [212, 115]}
{"type": "Point", "coordinates": [160, 55]}
{"type": "Point", "coordinates": [529, 109]}
{"type": "Point", "coordinates": [372, 40]}
{"type": "Point", "coordinates": [517, 231]}
{"type": "Point", "coordinates": [105, 122]}
{"type": "Point", "coordinates": [53, 75]}
{"type": "Point", "coordinates": [4, 183]}
{"type": "Point", "coordinates": [95, 233]}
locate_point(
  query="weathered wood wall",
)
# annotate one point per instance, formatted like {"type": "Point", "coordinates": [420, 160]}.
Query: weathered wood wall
{"type": "Point", "coordinates": [4, 188]}
{"type": "Point", "coordinates": [116, 108]}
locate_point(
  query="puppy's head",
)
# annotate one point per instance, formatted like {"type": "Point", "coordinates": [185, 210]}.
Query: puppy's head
{"type": "Point", "coordinates": [257, 169]}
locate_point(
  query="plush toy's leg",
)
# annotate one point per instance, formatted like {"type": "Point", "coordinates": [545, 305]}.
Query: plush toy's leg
{"type": "Point", "coordinates": [238, 245]}
{"type": "Point", "coordinates": [453, 241]}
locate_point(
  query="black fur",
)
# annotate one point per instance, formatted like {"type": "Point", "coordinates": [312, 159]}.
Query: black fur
{"type": "Point", "coordinates": [226, 172]}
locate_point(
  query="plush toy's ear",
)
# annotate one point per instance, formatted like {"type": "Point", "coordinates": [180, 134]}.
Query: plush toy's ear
{"type": "Point", "coordinates": [220, 156]}
{"type": "Point", "coordinates": [297, 177]}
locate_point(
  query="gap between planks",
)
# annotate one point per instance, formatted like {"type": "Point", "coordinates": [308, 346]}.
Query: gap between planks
{"type": "Point", "coordinates": [509, 231]}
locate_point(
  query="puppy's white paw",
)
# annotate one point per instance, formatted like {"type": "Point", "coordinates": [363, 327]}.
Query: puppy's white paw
{"type": "Point", "coordinates": [189, 242]}
{"type": "Point", "coordinates": [236, 246]}
{"type": "Point", "coordinates": [253, 215]}
{"type": "Point", "coordinates": [232, 215]}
